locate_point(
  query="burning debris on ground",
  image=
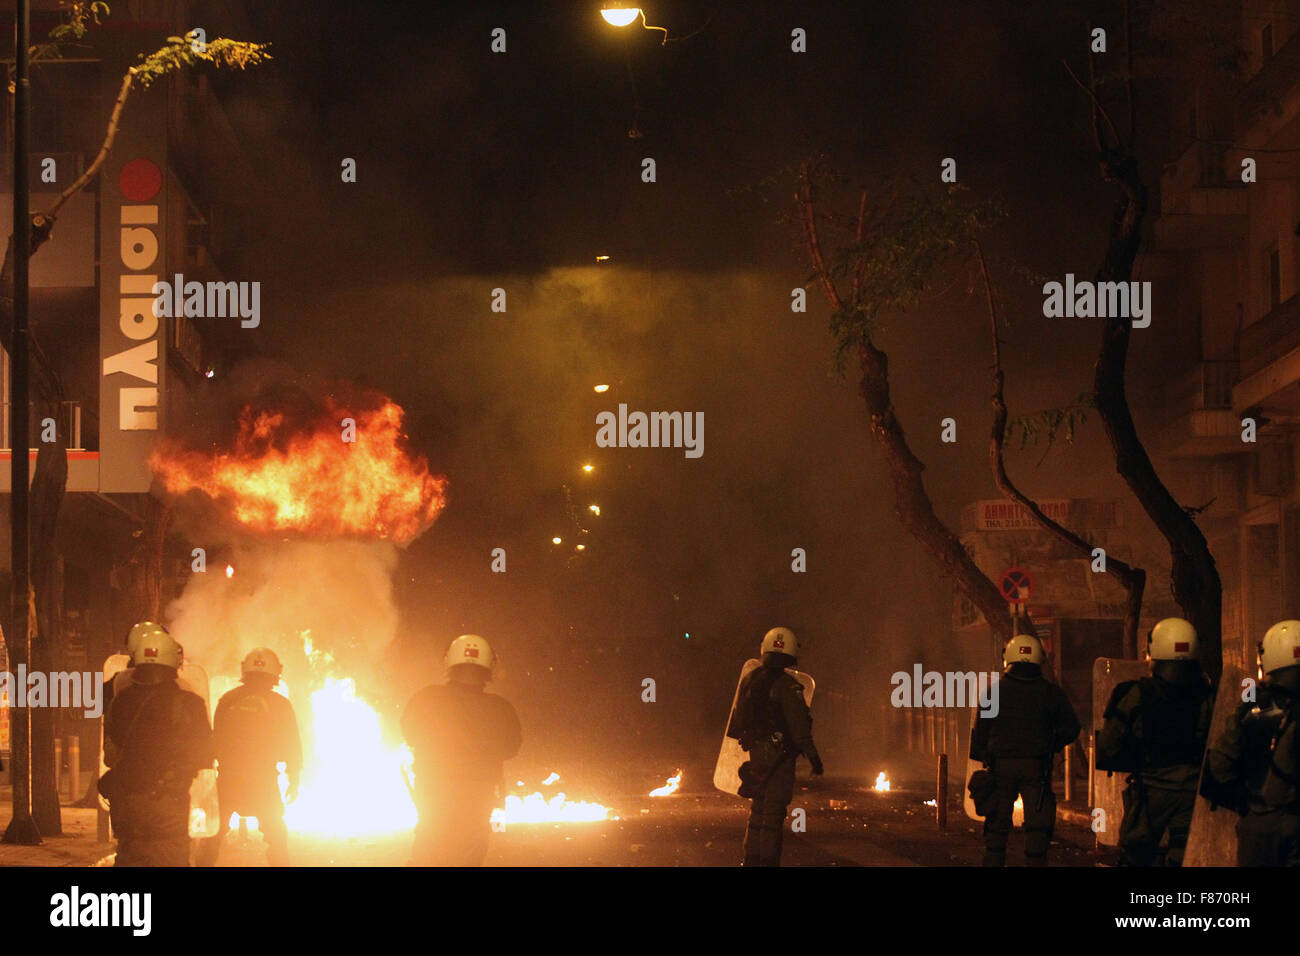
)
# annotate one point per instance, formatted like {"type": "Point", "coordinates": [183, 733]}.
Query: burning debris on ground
{"type": "Point", "coordinates": [670, 787]}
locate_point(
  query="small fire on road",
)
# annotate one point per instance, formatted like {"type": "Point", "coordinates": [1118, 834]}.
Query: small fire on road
{"type": "Point", "coordinates": [669, 788]}
{"type": "Point", "coordinates": [882, 783]}
{"type": "Point", "coordinates": [558, 808]}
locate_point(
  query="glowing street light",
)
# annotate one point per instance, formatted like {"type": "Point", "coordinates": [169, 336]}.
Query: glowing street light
{"type": "Point", "coordinates": [594, 509]}
{"type": "Point", "coordinates": [620, 16]}
{"type": "Point", "coordinates": [556, 540]}
{"type": "Point", "coordinates": [600, 388]}
{"type": "Point", "coordinates": [617, 15]}
{"type": "Point", "coordinates": [587, 468]}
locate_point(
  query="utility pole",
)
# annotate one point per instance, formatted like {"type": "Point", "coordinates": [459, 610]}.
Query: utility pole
{"type": "Point", "coordinates": [22, 828]}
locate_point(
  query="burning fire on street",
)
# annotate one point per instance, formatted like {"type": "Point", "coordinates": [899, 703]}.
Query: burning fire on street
{"type": "Point", "coordinates": [355, 783]}
{"type": "Point", "coordinates": [558, 808]}
{"type": "Point", "coordinates": [349, 493]}
{"type": "Point", "coordinates": [882, 783]}
{"type": "Point", "coordinates": [669, 788]}
{"type": "Point", "coordinates": [323, 601]}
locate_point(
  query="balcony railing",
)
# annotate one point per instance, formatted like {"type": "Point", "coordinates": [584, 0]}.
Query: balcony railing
{"type": "Point", "coordinates": [69, 422]}
{"type": "Point", "coordinates": [1277, 333]}
{"type": "Point", "coordinates": [1207, 386]}
{"type": "Point", "coordinates": [1270, 86]}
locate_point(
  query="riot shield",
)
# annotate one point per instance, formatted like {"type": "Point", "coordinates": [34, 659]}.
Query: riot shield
{"type": "Point", "coordinates": [113, 667]}
{"type": "Point", "coordinates": [1108, 788]}
{"type": "Point", "coordinates": [1213, 839]}
{"type": "Point", "coordinates": [204, 810]}
{"type": "Point", "coordinates": [726, 775]}
{"type": "Point", "coordinates": [1017, 812]}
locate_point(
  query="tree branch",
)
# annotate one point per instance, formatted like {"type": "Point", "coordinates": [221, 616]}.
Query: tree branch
{"type": "Point", "coordinates": [1097, 108]}
{"type": "Point", "coordinates": [857, 239]}
{"type": "Point", "coordinates": [911, 500]}
{"type": "Point", "coordinates": [807, 212]}
{"type": "Point", "coordinates": [1132, 579]}
{"type": "Point", "coordinates": [114, 120]}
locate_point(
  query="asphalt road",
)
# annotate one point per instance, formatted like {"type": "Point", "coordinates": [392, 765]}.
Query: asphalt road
{"type": "Point", "coordinates": [846, 826]}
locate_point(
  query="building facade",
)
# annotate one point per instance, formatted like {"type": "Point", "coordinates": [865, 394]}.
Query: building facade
{"type": "Point", "coordinates": [170, 199]}
{"type": "Point", "coordinates": [1227, 235]}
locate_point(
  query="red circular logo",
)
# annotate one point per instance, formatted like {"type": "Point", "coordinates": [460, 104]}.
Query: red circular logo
{"type": "Point", "coordinates": [140, 180]}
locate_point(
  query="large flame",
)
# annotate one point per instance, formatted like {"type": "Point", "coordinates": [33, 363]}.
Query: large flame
{"type": "Point", "coordinates": [353, 784]}
{"type": "Point", "coordinates": [882, 782]}
{"type": "Point", "coordinates": [331, 481]}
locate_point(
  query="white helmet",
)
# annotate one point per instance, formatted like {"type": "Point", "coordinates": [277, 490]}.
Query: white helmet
{"type": "Point", "coordinates": [140, 634]}
{"type": "Point", "coordinates": [780, 640]}
{"type": "Point", "coordinates": [1022, 649]}
{"type": "Point", "coordinates": [1173, 639]}
{"type": "Point", "coordinates": [1281, 646]}
{"type": "Point", "coordinates": [261, 660]}
{"type": "Point", "coordinates": [155, 646]}
{"type": "Point", "coordinates": [470, 649]}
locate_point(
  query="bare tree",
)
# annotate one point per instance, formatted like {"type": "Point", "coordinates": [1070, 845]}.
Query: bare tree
{"type": "Point", "coordinates": [1131, 578]}
{"type": "Point", "coordinates": [1194, 576]}
{"type": "Point", "coordinates": [893, 254]}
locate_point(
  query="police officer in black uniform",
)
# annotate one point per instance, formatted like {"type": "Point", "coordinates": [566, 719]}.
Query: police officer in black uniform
{"type": "Point", "coordinates": [1017, 744]}
{"type": "Point", "coordinates": [772, 723]}
{"type": "Point", "coordinates": [1254, 766]}
{"type": "Point", "coordinates": [254, 730]}
{"type": "Point", "coordinates": [156, 739]}
{"type": "Point", "coordinates": [460, 735]}
{"type": "Point", "coordinates": [1155, 730]}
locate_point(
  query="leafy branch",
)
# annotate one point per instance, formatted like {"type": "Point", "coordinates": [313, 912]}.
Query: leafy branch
{"type": "Point", "coordinates": [1052, 423]}
{"type": "Point", "coordinates": [181, 52]}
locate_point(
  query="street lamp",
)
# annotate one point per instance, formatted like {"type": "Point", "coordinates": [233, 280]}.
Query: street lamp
{"type": "Point", "coordinates": [617, 15]}
{"type": "Point", "coordinates": [620, 16]}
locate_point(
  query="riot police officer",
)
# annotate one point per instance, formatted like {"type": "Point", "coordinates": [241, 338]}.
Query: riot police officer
{"type": "Point", "coordinates": [1254, 766]}
{"type": "Point", "coordinates": [1017, 744]}
{"type": "Point", "coordinates": [460, 735]}
{"type": "Point", "coordinates": [772, 723]}
{"type": "Point", "coordinates": [254, 729]}
{"type": "Point", "coordinates": [156, 738]}
{"type": "Point", "coordinates": [1155, 730]}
